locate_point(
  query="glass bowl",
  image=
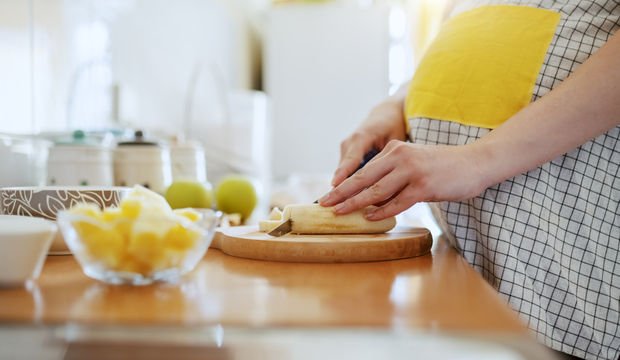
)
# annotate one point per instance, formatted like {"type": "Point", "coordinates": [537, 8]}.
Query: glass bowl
{"type": "Point", "coordinates": [138, 251]}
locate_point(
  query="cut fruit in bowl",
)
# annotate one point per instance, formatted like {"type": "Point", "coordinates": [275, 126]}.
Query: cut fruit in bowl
{"type": "Point", "coordinates": [140, 242]}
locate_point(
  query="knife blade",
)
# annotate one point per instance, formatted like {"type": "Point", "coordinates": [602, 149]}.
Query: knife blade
{"type": "Point", "coordinates": [282, 229]}
{"type": "Point", "coordinates": [287, 226]}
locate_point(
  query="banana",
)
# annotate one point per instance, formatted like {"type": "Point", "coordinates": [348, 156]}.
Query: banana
{"type": "Point", "coordinates": [316, 219]}
{"type": "Point", "coordinates": [268, 225]}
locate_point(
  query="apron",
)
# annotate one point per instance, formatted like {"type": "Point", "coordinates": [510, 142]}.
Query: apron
{"type": "Point", "coordinates": [547, 240]}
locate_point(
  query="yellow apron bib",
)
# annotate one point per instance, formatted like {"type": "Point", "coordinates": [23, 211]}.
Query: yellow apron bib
{"type": "Point", "coordinates": [482, 67]}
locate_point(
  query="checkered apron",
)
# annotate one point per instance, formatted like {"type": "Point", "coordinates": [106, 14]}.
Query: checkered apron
{"type": "Point", "coordinates": [549, 240]}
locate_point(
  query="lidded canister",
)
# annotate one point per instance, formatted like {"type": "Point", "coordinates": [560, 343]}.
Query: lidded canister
{"type": "Point", "coordinates": [79, 161]}
{"type": "Point", "coordinates": [139, 161]}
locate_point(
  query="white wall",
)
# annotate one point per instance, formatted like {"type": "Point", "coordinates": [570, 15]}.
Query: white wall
{"type": "Point", "coordinates": [24, 52]}
{"type": "Point", "coordinates": [15, 101]}
{"type": "Point", "coordinates": [151, 48]}
{"type": "Point", "coordinates": [49, 41]}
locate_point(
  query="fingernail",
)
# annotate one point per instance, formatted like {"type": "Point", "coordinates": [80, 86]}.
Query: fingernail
{"type": "Point", "coordinates": [325, 198]}
{"type": "Point", "coordinates": [340, 208]}
{"type": "Point", "coordinates": [370, 215]}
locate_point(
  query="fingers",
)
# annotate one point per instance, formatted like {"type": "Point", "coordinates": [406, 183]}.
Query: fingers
{"type": "Point", "coordinates": [403, 201]}
{"type": "Point", "coordinates": [365, 177]}
{"type": "Point", "coordinates": [381, 203]}
{"type": "Point", "coordinates": [347, 166]}
{"type": "Point", "coordinates": [381, 191]}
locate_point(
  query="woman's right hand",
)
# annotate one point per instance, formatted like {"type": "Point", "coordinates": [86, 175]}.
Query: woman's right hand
{"type": "Point", "coordinates": [384, 123]}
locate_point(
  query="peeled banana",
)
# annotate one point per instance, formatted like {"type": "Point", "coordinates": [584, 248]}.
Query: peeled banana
{"type": "Point", "coordinates": [316, 219]}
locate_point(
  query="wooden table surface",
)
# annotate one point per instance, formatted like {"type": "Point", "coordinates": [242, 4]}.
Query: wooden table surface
{"type": "Point", "coordinates": [439, 291]}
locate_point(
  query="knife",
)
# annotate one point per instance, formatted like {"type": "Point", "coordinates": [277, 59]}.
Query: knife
{"type": "Point", "coordinates": [287, 226]}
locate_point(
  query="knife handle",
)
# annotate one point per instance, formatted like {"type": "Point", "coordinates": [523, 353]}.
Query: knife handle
{"type": "Point", "coordinates": [369, 155]}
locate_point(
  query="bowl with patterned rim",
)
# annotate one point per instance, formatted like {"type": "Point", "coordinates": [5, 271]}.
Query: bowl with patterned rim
{"type": "Point", "coordinates": [46, 201]}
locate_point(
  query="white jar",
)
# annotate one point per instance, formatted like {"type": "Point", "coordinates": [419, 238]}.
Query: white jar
{"type": "Point", "coordinates": [79, 165]}
{"type": "Point", "coordinates": [188, 161]}
{"type": "Point", "coordinates": [142, 163]}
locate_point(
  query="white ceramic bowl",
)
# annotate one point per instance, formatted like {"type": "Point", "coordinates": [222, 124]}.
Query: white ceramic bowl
{"type": "Point", "coordinates": [24, 242]}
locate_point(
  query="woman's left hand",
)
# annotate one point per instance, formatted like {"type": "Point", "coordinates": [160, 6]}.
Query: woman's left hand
{"type": "Point", "coordinates": [404, 174]}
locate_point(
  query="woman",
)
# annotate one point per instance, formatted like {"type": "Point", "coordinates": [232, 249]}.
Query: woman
{"type": "Point", "coordinates": [513, 117]}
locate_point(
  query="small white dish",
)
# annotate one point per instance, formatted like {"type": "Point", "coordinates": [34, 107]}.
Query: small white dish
{"type": "Point", "coordinates": [24, 243]}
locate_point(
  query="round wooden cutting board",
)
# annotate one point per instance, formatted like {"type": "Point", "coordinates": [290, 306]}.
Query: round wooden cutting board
{"type": "Point", "coordinates": [248, 242]}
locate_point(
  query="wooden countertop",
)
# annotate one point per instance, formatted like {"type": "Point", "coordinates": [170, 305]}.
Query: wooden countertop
{"type": "Point", "coordinates": [439, 291]}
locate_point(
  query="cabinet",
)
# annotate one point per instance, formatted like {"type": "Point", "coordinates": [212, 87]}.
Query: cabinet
{"type": "Point", "coordinates": [325, 66]}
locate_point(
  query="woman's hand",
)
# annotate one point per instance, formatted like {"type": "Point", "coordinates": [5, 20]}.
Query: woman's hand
{"type": "Point", "coordinates": [384, 123]}
{"type": "Point", "coordinates": [404, 174]}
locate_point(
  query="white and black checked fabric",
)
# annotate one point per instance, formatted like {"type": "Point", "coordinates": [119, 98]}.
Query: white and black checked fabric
{"type": "Point", "coordinates": [549, 240]}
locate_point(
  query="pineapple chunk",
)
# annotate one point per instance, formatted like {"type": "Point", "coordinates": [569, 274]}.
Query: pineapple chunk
{"type": "Point", "coordinates": [87, 209]}
{"type": "Point", "coordinates": [105, 245]}
{"type": "Point", "coordinates": [181, 239]}
{"type": "Point", "coordinates": [190, 214]}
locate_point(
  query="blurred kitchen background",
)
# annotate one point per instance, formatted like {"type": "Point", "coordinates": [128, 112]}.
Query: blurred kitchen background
{"type": "Point", "coordinates": [262, 88]}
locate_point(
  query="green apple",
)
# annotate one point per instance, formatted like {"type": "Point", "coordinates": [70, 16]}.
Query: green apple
{"type": "Point", "coordinates": [236, 194]}
{"type": "Point", "coordinates": [188, 193]}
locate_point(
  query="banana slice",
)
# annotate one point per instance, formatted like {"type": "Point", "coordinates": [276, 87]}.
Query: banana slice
{"type": "Point", "coordinates": [268, 225]}
{"type": "Point", "coordinates": [276, 214]}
